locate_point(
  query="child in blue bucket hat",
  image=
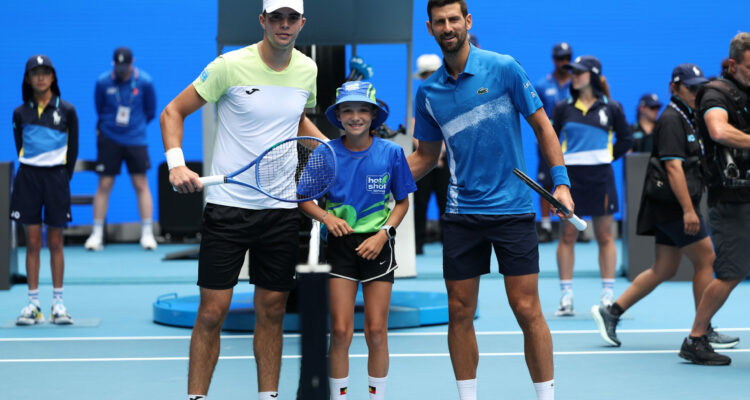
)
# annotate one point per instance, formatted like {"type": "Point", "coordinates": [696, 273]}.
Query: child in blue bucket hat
{"type": "Point", "coordinates": [362, 230]}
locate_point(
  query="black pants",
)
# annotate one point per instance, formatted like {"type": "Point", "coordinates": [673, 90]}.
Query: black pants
{"type": "Point", "coordinates": [435, 181]}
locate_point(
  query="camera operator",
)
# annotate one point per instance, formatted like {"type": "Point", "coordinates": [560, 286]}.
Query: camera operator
{"type": "Point", "coordinates": [723, 121]}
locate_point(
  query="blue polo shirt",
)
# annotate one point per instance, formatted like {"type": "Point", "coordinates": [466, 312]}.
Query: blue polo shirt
{"type": "Point", "coordinates": [138, 94]}
{"type": "Point", "coordinates": [587, 134]}
{"type": "Point", "coordinates": [478, 117]}
{"type": "Point", "coordinates": [551, 92]}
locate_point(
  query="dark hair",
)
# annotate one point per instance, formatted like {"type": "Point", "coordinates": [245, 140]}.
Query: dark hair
{"type": "Point", "coordinates": [440, 3]}
{"type": "Point", "coordinates": [27, 92]}
{"type": "Point", "coordinates": [739, 45]}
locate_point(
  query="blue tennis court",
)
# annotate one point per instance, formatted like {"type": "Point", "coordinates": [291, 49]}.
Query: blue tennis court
{"type": "Point", "coordinates": [115, 351]}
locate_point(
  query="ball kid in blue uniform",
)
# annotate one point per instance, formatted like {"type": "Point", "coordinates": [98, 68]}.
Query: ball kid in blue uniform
{"type": "Point", "coordinates": [361, 231]}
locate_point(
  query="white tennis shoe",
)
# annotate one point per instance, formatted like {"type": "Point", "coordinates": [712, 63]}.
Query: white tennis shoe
{"type": "Point", "coordinates": [94, 243]}
{"type": "Point", "coordinates": [148, 242]}
{"type": "Point", "coordinates": [566, 305]}
{"type": "Point", "coordinates": [60, 314]}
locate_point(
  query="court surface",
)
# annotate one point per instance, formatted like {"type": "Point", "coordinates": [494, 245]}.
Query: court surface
{"type": "Point", "coordinates": [116, 352]}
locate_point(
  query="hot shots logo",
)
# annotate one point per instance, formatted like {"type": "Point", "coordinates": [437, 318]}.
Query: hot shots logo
{"type": "Point", "coordinates": [377, 183]}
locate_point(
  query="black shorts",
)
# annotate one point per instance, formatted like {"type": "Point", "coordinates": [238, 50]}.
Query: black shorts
{"type": "Point", "coordinates": [345, 263]}
{"type": "Point", "coordinates": [272, 236]}
{"type": "Point", "coordinates": [37, 188]}
{"type": "Point", "coordinates": [468, 240]}
{"type": "Point", "coordinates": [111, 154]}
{"type": "Point", "coordinates": [672, 233]}
{"type": "Point", "coordinates": [730, 233]}
{"type": "Point", "coordinates": [593, 190]}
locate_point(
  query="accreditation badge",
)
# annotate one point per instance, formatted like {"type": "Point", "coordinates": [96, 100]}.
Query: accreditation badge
{"type": "Point", "coordinates": [123, 116]}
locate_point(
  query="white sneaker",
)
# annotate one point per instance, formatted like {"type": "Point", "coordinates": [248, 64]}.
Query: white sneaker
{"type": "Point", "coordinates": [566, 305]}
{"type": "Point", "coordinates": [608, 298]}
{"type": "Point", "coordinates": [94, 243]}
{"type": "Point", "coordinates": [30, 315]}
{"type": "Point", "coordinates": [148, 242]}
{"type": "Point", "coordinates": [60, 315]}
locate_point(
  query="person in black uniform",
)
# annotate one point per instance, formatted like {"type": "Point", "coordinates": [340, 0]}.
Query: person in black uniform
{"type": "Point", "coordinates": [646, 114]}
{"type": "Point", "coordinates": [45, 129]}
{"type": "Point", "coordinates": [676, 225]}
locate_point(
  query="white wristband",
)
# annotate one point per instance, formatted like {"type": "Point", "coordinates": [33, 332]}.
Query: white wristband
{"type": "Point", "coordinates": [175, 157]}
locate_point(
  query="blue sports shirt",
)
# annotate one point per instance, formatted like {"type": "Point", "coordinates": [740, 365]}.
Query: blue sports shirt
{"type": "Point", "coordinates": [551, 93]}
{"type": "Point", "coordinates": [478, 117]}
{"type": "Point", "coordinates": [138, 94]}
{"type": "Point", "coordinates": [365, 181]}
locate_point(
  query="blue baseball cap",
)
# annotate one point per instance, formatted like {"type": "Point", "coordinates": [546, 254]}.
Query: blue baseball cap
{"type": "Point", "coordinates": [688, 74]}
{"type": "Point", "coordinates": [561, 50]}
{"type": "Point", "coordinates": [586, 64]}
{"type": "Point", "coordinates": [650, 100]}
{"type": "Point", "coordinates": [356, 91]}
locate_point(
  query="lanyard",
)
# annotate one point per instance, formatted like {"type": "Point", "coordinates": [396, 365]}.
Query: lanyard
{"type": "Point", "coordinates": [133, 82]}
{"type": "Point", "coordinates": [690, 123]}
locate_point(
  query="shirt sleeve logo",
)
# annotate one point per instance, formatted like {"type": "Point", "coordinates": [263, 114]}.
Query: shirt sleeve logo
{"type": "Point", "coordinates": [204, 75]}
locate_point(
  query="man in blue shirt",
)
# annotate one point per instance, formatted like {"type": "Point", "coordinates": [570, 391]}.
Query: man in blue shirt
{"type": "Point", "coordinates": [473, 103]}
{"type": "Point", "coordinates": [125, 104]}
{"type": "Point", "coordinates": [553, 89]}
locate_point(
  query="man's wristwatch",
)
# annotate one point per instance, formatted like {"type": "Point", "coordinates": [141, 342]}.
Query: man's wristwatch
{"type": "Point", "coordinates": [389, 231]}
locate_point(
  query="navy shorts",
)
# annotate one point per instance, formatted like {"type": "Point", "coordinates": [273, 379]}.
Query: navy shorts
{"type": "Point", "coordinates": [593, 190]}
{"type": "Point", "coordinates": [468, 240]}
{"type": "Point", "coordinates": [41, 188]}
{"type": "Point", "coordinates": [672, 233]}
{"type": "Point", "coordinates": [111, 154]}
{"type": "Point", "coordinates": [347, 264]}
{"type": "Point", "coordinates": [272, 236]}
{"type": "Point", "coordinates": [730, 235]}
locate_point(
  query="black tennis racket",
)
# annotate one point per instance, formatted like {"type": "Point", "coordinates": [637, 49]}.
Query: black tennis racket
{"type": "Point", "coordinates": [294, 170]}
{"type": "Point", "coordinates": [577, 222]}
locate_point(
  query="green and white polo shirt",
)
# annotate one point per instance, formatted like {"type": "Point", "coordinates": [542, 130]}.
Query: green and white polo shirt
{"type": "Point", "coordinates": [256, 107]}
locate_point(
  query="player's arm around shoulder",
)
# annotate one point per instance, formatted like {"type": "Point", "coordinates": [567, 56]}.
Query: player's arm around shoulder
{"type": "Point", "coordinates": [172, 125]}
{"type": "Point", "coordinates": [337, 226]}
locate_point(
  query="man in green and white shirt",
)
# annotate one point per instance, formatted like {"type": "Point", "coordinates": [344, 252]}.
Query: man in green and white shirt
{"type": "Point", "coordinates": [261, 92]}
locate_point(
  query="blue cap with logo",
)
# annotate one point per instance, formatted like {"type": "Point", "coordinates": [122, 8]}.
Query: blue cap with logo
{"type": "Point", "coordinates": [650, 100]}
{"type": "Point", "coordinates": [688, 74]}
{"type": "Point", "coordinates": [123, 59]}
{"type": "Point", "coordinates": [586, 64]}
{"type": "Point", "coordinates": [39, 60]}
{"type": "Point", "coordinates": [356, 91]}
{"type": "Point", "coordinates": [561, 50]}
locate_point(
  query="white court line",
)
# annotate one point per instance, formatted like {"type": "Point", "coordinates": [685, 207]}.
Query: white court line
{"type": "Point", "coordinates": [390, 334]}
{"type": "Point", "coordinates": [402, 355]}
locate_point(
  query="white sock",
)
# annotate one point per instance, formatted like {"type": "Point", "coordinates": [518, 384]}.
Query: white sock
{"type": "Point", "coordinates": [147, 228]}
{"type": "Point", "coordinates": [608, 284]}
{"type": "Point", "coordinates": [34, 297]}
{"type": "Point", "coordinates": [57, 294]}
{"type": "Point", "coordinates": [546, 224]}
{"type": "Point", "coordinates": [545, 390]}
{"type": "Point", "coordinates": [377, 387]}
{"type": "Point", "coordinates": [268, 395]}
{"type": "Point", "coordinates": [197, 397]}
{"type": "Point", "coordinates": [467, 389]}
{"type": "Point", "coordinates": [98, 228]}
{"type": "Point", "coordinates": [566, 284]}
{"type": "Point", "coordinates": [338, 387]}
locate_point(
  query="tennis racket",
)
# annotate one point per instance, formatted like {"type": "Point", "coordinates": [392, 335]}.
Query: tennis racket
{"type": "Point", "coordinates": [294, 170]}
{"type": "Point", "coordinates": [577, 222]}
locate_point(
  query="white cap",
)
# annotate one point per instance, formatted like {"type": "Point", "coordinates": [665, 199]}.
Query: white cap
{"type": "Point", "coordinates": [428, 63]}
{"type": "Point", "coordinates": [273, 5]}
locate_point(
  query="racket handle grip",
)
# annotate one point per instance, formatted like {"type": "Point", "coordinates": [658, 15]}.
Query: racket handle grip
{"type": "Point", "coordinates": [578, 223]}
{"type": "Point", "coordinates": [212, 180]}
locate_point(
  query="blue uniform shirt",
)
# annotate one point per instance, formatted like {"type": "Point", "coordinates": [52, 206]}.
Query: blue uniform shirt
{"type": "Point", "coordinates": [551, 93]}
{"type": "Point", "coordinates": [138, 94]}
{"type": "Point", "coordinates": [478, 117]}
{"type": "Point", "coordinates": [365, 181]}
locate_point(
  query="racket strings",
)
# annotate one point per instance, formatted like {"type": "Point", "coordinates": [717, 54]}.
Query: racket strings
{"type": "Point", "coordinates": [296, 169]}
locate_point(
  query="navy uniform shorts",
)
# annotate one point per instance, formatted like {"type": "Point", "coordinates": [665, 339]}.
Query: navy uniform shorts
{"type": "Point", "coordinates": [672, 233]}
{"type": "Point", "coordinates": [347, 264]}
{"type": "Point", "coordinates": [41, 189]}
{"type": "Point", "coordinates": [272, 236]}
{"type": "Point", "coordinates": [111, 154]}
{"type": "Point", "coordinates": [468, 241]}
